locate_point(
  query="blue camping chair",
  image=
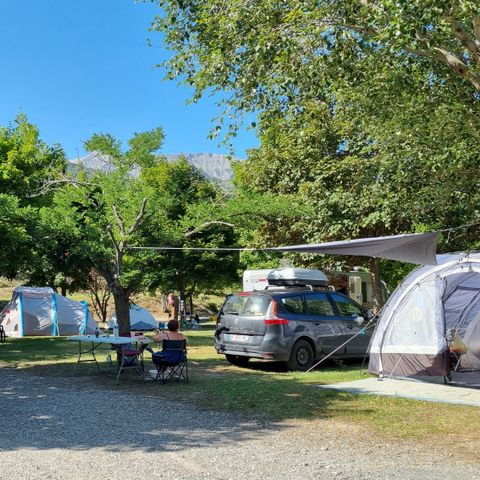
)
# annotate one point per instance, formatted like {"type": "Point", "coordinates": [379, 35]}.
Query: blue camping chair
{"type": "Point", "coordinates": [171, 363]}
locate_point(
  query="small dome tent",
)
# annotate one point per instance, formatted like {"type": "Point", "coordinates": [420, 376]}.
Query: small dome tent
{"type": "Point", "coordinates": [140, 319]}
{"type": "Point", "coordinates": [42, 312]}
{"type": "Point", "coordinates": [430, 305]}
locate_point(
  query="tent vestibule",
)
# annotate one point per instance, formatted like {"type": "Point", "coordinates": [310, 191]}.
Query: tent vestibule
{"type": "Point", "coordinates": [431, 305]}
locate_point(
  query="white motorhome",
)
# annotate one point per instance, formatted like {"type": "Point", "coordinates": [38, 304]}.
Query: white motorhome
{"type": "Point", "coordinates": [357, 285]}
{"type": "Point", "coordinates": [255, 279]}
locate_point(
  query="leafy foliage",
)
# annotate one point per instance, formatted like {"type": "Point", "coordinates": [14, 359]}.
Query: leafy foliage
{"type": "Point", "coordinates": [272, 56]}
{"type": "Point", "coordinates": [16, 227]}
{"type": "Point", "coordinates": [25, 161]}
{"type": "Point", "coordinates": [366, 109]}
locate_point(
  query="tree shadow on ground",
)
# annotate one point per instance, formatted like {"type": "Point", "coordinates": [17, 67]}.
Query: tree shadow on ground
{"type": "Point", "coordinates": [85, 412]}
{"type": "Point", "coordinates": [267, 366]}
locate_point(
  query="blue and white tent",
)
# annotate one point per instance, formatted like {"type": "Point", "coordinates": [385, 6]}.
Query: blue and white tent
{"type": "Point", "coordinates": [42, 312]}
{"type": "Point", "coordinates": [140, 319]}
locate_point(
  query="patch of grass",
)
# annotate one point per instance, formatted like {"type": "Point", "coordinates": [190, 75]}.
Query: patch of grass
{"type": "Point", "coordinates": [263, 389]}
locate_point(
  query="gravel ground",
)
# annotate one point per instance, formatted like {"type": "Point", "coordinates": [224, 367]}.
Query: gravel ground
{"type": "Point", "coordinates": [69, 429]}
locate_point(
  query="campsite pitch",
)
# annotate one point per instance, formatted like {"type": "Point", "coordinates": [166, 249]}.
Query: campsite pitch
{"type": "Point", "coordinates": [430, 389]}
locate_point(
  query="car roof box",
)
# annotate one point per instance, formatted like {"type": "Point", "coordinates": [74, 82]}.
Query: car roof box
{"type": "Point", "coordinates": [297, 277]}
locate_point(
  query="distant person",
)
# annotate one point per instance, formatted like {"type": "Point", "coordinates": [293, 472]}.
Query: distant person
{"type": "Point", "coordinates": [195, 322]}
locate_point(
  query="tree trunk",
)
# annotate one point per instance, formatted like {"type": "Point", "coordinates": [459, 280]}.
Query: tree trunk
{"type": "Point", "coordinates": [122, 308]}
{"type": "Point", "coordinates": [190, 299]}
{"type": "Point", "coordinates": [176, 308]}
{"type": "Point", "coordinates": [377, 284]}
{"type": "Point", "coordinates": [163, 302]}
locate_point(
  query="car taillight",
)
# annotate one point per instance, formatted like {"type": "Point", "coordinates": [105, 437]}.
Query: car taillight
{"type": "Point", "coordinates": [274, 320]}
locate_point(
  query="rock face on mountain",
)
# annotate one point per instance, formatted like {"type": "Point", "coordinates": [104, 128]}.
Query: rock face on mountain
{"type": "Point", "coordinates": [215, 167]}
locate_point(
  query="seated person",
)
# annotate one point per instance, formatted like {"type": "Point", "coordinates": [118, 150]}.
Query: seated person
{"type": "Point", "coordinates": [172, 334]}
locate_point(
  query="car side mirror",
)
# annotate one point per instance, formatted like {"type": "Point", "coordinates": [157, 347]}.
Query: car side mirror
{"type": "Point", "coordinates": [359, 319]}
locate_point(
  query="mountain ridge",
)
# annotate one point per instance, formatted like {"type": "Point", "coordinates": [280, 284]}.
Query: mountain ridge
{"type": "Point", "coordinates": [214, 166]}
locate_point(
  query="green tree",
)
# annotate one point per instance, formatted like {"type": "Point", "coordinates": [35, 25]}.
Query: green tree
{"type": "Point", "coordinates": [272, 55]}
{"type": "Point", "coordinates": [183, 191]}
{"type": "Point", "coordinates": [114, 211]}
{"type": "Point", "coordinates": [98, 218]}
{"type": "Point", "coordinates": [366, 109]}
{"type": "Point", "coordinates": [97, 215]}
{"type": "Point", "coordinates": [16, 227]}
{"type": "Point", "coordinates": [26, 161]}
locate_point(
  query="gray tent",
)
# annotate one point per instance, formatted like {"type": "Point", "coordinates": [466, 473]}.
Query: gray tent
{"type": "Point", "coordinates": [432, 302]}
{"type": "Point", "coordinates": [41, 311]}
{"type": "Point", "coordinates": [140, 319]}
{"type": "Point", "coordinates": [471, 359]}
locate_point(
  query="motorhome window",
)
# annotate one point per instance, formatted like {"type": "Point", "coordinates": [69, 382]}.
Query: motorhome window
{"type": "Point", "coordinates": [293, 304]}
{"type": "Point", "coordinates": [346, 307]}
{"type": "Point", "coordinates": [319, 304]}
{"type": "Point", "coordinates": [246, 305]}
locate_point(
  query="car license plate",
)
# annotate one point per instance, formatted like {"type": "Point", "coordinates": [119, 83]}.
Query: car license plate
{"type": "Point", "coordinates": [236, 338]}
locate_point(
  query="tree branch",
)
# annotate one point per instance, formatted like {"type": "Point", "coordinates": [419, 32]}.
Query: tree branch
{"type": "Point", "coordinates": [52, 185]}
{"type": "Point", "coordinates": [470, 44]}
{"type": "Point", "coordinates": [119, 218]}
{"type": "Point", "coordinates": [140, 215]}
{"type": "Point", "coordinates": [476, 27]}
{"type": "Point", "coordinates": [458, 66]}
{"type": "Point", "coordinates": [214, 222]}
{"type": "Point", "coordinates": [112, 237]}
{"type": "Point", "coordinates": [435, 53]}
{"type": "Point", "coordinates": [446, 57]}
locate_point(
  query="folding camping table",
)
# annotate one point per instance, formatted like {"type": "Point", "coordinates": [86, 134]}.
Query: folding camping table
{"type": "Point", "coordinates": [96, 342]}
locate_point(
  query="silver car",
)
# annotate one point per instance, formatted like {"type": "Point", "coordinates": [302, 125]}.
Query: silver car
{"type": "Point", "coordinates": [297, 326]}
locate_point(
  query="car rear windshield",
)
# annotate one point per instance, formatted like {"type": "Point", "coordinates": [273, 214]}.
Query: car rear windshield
{"type": "Point", "coordinates": [246, 305]}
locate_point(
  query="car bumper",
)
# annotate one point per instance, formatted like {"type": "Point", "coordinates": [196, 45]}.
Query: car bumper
{"type": "Point", "coordinates": [242, 351]}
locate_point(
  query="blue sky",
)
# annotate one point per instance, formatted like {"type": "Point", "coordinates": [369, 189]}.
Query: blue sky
{"type": "Point", "coordinates": [76, 67]}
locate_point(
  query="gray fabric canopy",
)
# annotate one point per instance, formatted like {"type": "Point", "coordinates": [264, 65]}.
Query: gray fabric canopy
{"type": "Point", "coordinates": [417, 248]}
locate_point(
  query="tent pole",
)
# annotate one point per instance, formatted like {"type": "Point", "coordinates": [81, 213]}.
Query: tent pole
{"type": "Point", "coordinates": [55, 323]}
{"type": "Point", "coordinates": [84, 329]}
{"type": "Point", "coordinates": [20, 307]}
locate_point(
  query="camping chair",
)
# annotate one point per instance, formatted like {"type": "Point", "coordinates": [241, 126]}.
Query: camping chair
{"type": "Point", "coordinates": [171, 362]}
{"type": "Point", "coordinates": [129, 358]}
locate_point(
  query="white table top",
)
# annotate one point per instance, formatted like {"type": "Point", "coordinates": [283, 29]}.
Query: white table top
{"type": "Point", "coordinates": [110, 339]}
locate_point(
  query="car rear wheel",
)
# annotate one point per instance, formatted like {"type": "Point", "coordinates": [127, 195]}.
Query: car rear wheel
{"type": "Point", "coordinates": [237, 360]}
{"type": "Point", "coordinates": [301, 357]}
